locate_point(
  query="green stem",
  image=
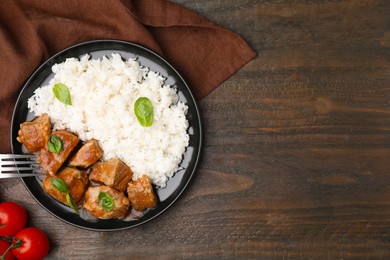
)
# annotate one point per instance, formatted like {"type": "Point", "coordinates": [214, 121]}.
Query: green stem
{"type": "Point", "coordinates": [13, 244]}
{"type": "Point", "coordinates": [6, 251]}
{"type": "Point", "coordinates": [7, 239]}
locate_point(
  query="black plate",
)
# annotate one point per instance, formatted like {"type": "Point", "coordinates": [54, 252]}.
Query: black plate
{"type": "Point", "coordinates": [98, 49]}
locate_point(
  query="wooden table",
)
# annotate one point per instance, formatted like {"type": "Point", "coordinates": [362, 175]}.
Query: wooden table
{"type": "Point", "coordinates": [297, 146]}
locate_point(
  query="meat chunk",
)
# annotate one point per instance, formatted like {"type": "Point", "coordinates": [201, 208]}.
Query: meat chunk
{"type": "Point", "coordinates": [76, 180]}
{"type": "Point", "coordinates": [87, 155]}
{"type": "Point", "coordinates": [93, 204]}
{"type": "Point", "coordinates": [52, 162]}
{"type": "Point", "coordinates": [113, 173]}
{"type": "Point", "coordinates": [34, 135]}
{"type": "Point", "coordinates": [141, 194]}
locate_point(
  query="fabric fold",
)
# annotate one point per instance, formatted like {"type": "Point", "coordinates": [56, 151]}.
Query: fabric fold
{"type": "Point", "coordinates": [204, 53]}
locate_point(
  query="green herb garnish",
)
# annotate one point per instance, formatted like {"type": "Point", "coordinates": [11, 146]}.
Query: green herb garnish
{"type": "Point", "coordinates": [62, 187]}
{"type": "Point", "coordinates": [62, 93]}
{"type": "Point", "coordinates": [106, 201]}
{"type": "Point", "coordinates": [55, 144]}
{"type": "Point", "coordinates": [71, 203]}
{"type": "Point", "coordinates": [143, 110]}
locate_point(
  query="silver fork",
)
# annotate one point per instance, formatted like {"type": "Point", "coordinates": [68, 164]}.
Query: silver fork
{"type": "Point", "coordinates": [19, 165]}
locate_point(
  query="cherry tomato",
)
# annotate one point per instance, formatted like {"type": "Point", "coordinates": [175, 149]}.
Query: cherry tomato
{"type": "Point", "coordinates": [34, 244]}
{"type": "Point", "coordinates": [3, 247]}
{"type": "Point", "coordinates": [13, 218]}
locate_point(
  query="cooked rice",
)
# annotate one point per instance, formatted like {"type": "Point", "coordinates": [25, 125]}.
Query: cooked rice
{"type": "Point", "coordinates": [103, 93]}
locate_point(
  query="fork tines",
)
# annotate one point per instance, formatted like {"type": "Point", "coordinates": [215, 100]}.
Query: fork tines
{"type": "Point", "coordinates": [14, 163]}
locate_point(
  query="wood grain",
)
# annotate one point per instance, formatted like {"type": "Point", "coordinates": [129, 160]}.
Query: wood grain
{"type": "Point", "coordinates": [297, 146]}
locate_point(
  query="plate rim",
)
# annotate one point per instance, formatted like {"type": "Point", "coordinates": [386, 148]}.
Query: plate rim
{"type": "Point", "coordinates": [158, 56]}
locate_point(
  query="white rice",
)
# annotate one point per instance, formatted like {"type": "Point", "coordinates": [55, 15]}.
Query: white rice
{"type": "Point", "coordinates": [103, 93]}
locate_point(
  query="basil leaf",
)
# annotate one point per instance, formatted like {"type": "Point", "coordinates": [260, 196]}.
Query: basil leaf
{"type": "Point", "coordinates": [71, 203]}
{"type": "Point", "coordinates": [143, 110]}
{"type": "Point", "coordinates": [62, 93]}
{"type": "Point", "coordinates": [55, 144]}
{"type": "Point", "coordinates": [106, 201]}
{"type": "Point", "coordinates": [60, 185]}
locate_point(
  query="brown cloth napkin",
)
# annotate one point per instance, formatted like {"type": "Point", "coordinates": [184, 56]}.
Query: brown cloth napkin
{"type": "Point", "coordinates": [31, 31]}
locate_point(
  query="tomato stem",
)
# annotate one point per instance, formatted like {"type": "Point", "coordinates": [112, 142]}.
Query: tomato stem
{"type": "Point", "coordinates": [7, 239]}
{"type": "Point", "coordinates": [6, 251]}
{"type": "Point", "coordinates": [14, 243]}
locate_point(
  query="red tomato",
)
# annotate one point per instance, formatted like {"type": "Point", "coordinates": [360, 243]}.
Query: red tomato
{"type": "Point", "coordinates": [34, 244]}
{"type": "Point", "coordinates": [3, 247]}
{"type": "Point", "coordinates": [13, 218]}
